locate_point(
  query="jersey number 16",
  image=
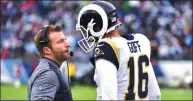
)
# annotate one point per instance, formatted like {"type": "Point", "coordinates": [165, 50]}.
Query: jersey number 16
{"type": "Point", "coordinates": [141, 77]}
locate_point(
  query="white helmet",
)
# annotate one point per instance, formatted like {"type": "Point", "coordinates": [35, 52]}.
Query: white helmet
{"type": "Point", "coordinates": [94, 21]}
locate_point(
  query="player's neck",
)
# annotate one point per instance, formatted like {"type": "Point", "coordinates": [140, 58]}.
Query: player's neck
{"type": "Point", "coordinates": [112, 34]}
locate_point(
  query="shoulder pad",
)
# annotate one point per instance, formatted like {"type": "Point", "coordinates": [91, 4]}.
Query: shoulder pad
{"type": "Point", "coordinates": [107, 49]}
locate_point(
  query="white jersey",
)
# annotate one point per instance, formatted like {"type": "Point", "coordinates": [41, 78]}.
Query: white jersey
{"type": "Point", "coordinates": [123, 69]}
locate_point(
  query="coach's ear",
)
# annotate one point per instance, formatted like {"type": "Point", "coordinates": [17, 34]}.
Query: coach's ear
{"type": "Point", "coordinates": [47, 51]}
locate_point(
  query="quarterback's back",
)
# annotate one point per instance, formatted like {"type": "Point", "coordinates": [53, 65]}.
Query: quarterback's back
{"type": "Point", "coordinates": [135, 77]}
{"type": "Point", "coordinates": [122, 66]}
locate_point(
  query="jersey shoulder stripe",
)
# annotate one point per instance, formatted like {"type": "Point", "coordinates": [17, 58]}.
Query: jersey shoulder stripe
{"type": "Point", "coordinates": [107, 49]}
{"type": "Point", "coordinates": [112, 44]}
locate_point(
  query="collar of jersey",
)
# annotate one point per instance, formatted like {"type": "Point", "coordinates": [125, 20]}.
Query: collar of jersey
{"type": "Point", "coordinates": [52, 62]}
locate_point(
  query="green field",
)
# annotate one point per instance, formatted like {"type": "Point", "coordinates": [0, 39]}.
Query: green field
{"type": "Point", "coordinates": [84, 92]}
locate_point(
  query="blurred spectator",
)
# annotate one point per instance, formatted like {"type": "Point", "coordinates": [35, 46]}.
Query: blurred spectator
{"type": "Point", "coordinates": [17, 73]}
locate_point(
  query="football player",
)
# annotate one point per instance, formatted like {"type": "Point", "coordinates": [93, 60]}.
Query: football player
{"type": "Point", "coordinates": [123, 68]}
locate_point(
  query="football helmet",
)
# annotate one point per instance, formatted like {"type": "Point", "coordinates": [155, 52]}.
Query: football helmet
{"type": "Point", "coordinates": [94, 21]}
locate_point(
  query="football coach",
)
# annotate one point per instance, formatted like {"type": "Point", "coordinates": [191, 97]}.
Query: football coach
{"type": "Point", "coordinates": [47, 82]}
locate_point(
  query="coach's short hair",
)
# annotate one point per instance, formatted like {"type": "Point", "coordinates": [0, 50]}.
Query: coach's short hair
{"type": "Point", "coordinates": [50, 28]}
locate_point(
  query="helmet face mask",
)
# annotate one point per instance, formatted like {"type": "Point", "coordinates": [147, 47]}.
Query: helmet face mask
{"type": "Point", "coordinates": [88, 42]}
{"type": "Point", "coordinates": [94, 21]}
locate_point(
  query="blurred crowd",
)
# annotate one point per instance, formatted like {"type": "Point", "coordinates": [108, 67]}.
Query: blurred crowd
{"type": "Point", "coordinates": [167, 24]}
